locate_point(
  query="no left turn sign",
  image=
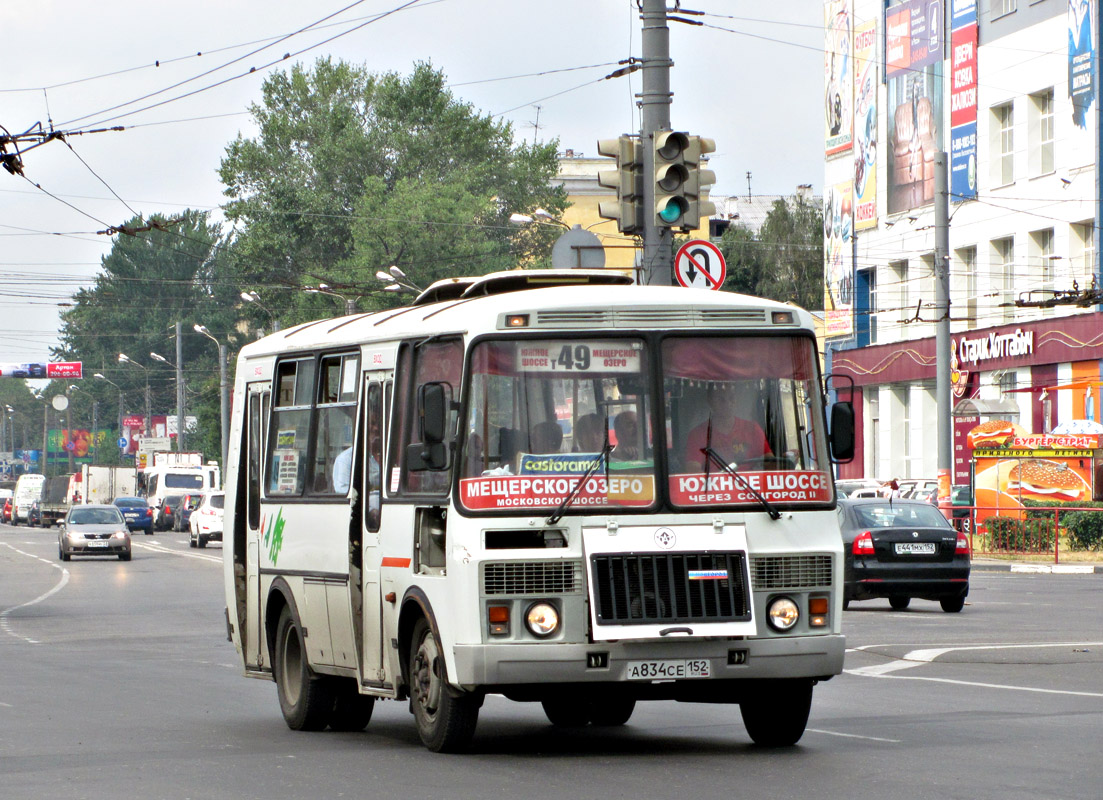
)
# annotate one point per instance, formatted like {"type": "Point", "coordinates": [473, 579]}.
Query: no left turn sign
{"type": "Point", "coordinates": [699, 264]}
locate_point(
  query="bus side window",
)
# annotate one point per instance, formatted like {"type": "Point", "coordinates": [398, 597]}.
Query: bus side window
{"type": "Point", "coordinates": [375, 454]}
{"type": "Point", "coordinates": [335, 414]}
{"type": "Point", "coordinates": [288, 443]}
{"type": "Point", "coordinates": [438, 361]}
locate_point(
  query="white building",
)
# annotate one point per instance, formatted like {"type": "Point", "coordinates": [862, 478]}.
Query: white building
{"type": "Point", "coordinates": [1023, 204]}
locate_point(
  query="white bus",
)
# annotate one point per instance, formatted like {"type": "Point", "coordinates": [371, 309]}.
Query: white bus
{"type": "Point", "coordinates": [536, 484]}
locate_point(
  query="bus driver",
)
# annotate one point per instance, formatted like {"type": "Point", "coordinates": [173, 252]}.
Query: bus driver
{"type": "Point", "coordinates": [734, 438]}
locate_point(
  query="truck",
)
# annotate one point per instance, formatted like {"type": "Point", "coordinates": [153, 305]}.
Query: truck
{"type": "Point", "coordinates": [104, 484]}
{"type": "Point", "coordinates": [61, 492]}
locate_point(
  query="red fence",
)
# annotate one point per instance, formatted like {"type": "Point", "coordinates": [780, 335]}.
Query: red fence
{"type": "Point", "coordinates": [1020, 531]}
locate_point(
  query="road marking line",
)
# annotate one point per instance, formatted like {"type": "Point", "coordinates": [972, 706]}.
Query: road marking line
{"type": "Point", "coordinates": [983, 685]}
{"type": "Point", "coordinates": [5, 624]}
{"type": "Point", "coordinates": [160, 548]}
{"type": "Point", "coordinates": [852, 736]}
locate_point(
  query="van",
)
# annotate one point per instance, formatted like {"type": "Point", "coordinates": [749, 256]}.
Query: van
{"type": "Point", "coordinates": [158, 482]}
{"type": "Point", "coordinates": [28, 491]}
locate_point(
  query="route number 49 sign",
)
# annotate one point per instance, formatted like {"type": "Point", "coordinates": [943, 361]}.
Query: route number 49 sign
{"type": "Point", "coordinates": [699, 264]}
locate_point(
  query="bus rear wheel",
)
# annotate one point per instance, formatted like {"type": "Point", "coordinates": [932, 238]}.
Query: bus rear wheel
{"type": "Point", "coordinates": [306, 699]}
{"type": "Point", "coordinates": [776, 713]}
{"type": "Point", "coordinates": [445, 719]}
{"type": "Point", "coordinates": [351, 710]}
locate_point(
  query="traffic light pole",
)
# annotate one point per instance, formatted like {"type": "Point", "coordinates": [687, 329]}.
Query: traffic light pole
{"type": "Point", "coordinates": [658, 255]}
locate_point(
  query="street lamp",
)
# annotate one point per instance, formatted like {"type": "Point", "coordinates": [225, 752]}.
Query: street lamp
{"type": "Point", "coordinates": [395, 278]}
{"type": "Point", "coordinates": [10, 418]}
{"type": "Point", "coordinates": [252, 297]}
{"type": "Point", "coordinates": [101, 377]}
{"type": "Point", "coordinates": [223, 390]}
{"type": "Point", "coordinates": [45, 428]}
{"type": "Point", "coordinates": [321, 288]}
{"type": "Point", "coordinates": [179, 396]}
{"type": "Point", "coordinates": [125, 359]}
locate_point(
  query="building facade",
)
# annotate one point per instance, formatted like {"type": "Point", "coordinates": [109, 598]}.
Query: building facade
{"type": "Point", "coordinates": [1006, 89]}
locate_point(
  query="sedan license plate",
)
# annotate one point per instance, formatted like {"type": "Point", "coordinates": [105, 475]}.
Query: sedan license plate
{"type": "Point", "coordinates": [669, 669]}
{"type": "Point", "coordinates": [98, 543]}
{"type": "Point", "coordinates": [915, 548]}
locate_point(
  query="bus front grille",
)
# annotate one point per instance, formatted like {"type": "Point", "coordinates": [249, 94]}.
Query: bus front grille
{"type": "Point", "coordinates": [648, 588]}
{"type": "Point", "coordinates": [532, 577]}
{"type": "Point", "coordinates": [790, 572]}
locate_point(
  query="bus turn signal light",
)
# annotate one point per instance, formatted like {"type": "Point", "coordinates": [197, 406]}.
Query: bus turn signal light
{"type": "Point", "coordinates": [498, 617]}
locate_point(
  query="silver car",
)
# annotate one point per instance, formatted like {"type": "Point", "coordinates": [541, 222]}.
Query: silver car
{"type": "Point", "coordinates": [93, 530]}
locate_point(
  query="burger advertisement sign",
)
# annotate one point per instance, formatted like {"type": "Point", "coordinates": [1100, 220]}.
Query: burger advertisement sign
{"type": "Point", "coordinates": [1011, 465]}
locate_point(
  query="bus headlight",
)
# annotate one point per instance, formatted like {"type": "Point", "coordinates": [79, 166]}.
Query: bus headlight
{"type": "Point", "coordinates": [782, 613]}
{"type": "Point", "coordinates": [542, 619]}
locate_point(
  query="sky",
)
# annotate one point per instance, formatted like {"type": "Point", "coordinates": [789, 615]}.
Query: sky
{"type": "Point", "coordinates": [751, 78]}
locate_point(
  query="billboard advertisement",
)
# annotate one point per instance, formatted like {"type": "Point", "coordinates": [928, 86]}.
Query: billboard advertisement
{"type": "Point", "coordinates": [865, 127]}
{"type": "Point", "coordinates": [838, 69]}
{"type": "Point", "coordinates": [1081, 57]}
{"type": "Point", "coordinates": [963, 101]}
{"type": "Point", "coordinates": [913, 68]}
{"type": "Point", "coordinates": [63, 370]}
{"type": "Point", "coordinates": [838, 261]}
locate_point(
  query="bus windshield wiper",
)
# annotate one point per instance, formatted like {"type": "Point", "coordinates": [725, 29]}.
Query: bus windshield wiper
{"type": "Point", "coordinates": [602, 457]}
{"type": "Point", "coordinates": [712, 455]}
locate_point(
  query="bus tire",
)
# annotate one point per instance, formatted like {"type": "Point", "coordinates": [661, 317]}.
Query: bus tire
{"type": "Point", "coordinates": [351, 710]}
{"type": "Point", "coordinates": [306, 699]}
{"type": "Point", "coordinates": [776, 714]}
{"type": "Point", "coordinates": [611, 712]}
{"type": "Point", "coordinates": [445, 719]}
{"type": "Point", "coordinates": [565, 713]}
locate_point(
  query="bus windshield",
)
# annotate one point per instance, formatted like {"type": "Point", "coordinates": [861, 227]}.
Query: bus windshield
{"type": "Point", "coordinates": [739, 413]}
{"type": "Point", "coordinates": [540, 414]}
{"type": "Point", "coordinates": [748, 405]}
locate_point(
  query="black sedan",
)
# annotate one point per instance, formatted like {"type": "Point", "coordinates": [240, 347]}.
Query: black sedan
{"type": "Point", "coordinates": [902, 549]}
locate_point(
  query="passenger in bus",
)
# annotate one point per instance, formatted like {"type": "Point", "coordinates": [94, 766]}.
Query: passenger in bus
{"type": "Point", "coordinates": [342, 471]}
{"type": "Point", "coordinates": [589, 434]}
{"type": "Point", "coordinates": [546, 437]}
{"type": "Point", "coordinates": [734, 438]}
{"type": "Point", "coordinates": [627, 429]}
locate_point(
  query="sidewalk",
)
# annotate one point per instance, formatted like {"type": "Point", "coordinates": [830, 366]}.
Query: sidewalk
{"type": "Point", "coordinates": [993, 565]}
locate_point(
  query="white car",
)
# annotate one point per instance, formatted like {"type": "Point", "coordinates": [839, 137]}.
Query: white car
{"type": "Point", "coordinates": [206, 520]}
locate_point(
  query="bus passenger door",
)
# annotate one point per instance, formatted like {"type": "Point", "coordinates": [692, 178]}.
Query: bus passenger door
{"type": "Point", "coordinates": [372, 494]}
{"type": "Point", "coordinates": [256, 421]}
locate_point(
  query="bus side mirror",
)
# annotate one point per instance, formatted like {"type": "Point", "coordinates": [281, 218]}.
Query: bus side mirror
{"type": "Point", "coordinates": [842, 432]}
{"type": "Point", "coordinates": [432, 408]}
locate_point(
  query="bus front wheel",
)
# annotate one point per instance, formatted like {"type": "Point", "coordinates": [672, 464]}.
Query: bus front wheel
{"type": "Point", "coordinates": [445, 720]}
{"type": "Point", "coordinates": [306, 699]}
{"type": "Point", "coordinates": [776, 714]}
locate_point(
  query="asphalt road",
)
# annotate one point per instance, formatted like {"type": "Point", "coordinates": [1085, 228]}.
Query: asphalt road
{"type": "Point", "coordinates": [116, 681]}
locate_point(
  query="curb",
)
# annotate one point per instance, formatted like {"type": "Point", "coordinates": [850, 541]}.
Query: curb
{"type": "Point", "coordinates": [1039, 569]}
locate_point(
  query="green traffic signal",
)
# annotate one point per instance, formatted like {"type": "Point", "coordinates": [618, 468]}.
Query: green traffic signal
{"type": "Point", "coordinates": [672, 210]}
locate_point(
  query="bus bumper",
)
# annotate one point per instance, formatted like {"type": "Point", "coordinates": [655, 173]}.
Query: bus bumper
{"type": "Point", "coordinates": [608, 662]}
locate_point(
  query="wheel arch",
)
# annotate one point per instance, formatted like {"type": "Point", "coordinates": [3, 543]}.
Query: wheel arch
{"type": "Point", "coordinates": [415, 606]}
{"type": "Point", "coordinates": [280, 596]}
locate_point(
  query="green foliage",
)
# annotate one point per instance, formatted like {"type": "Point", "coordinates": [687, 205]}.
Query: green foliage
{"type": "Point", "coordinates": [784, 261]}
{"type": "Point", "coordinates": [148, 282]}
{"type": "Point", "coordinates": [1020, 536]}
{"type": "Point", "coordinates": [354, 172]}
{"type": "Point", "coordinates": [1085, 529]}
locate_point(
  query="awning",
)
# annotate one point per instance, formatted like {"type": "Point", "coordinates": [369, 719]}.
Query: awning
{"type": "Point", "coordinates": [975, 406]}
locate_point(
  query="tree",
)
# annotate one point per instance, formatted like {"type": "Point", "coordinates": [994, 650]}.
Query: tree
{"type": "Point", "coordinates": [177, 270]}
{"type": "Point", "coordinates": [353, 172]}
{"type": "Point", "coordinates": [784, 261]}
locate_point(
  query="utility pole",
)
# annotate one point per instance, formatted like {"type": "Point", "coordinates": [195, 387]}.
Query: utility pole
{"type": "Point", "coordinates": [943, 400]}
{"type": "Point", "coordinates": [658, 255]}
{"type": "Point", "coordinates": [179, 389]}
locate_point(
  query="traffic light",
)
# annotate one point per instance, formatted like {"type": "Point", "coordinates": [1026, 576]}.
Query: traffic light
{"type": "Point", "coordinates": [627, 210]}
{"type": "Point", "coordinates": [698, 183]}
{"type": "Point", "coordinates": [681, 186]}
